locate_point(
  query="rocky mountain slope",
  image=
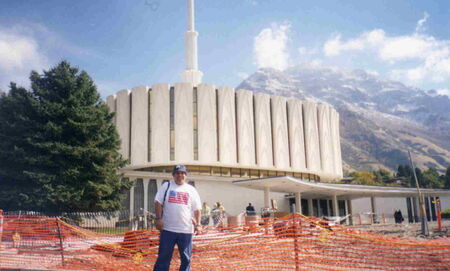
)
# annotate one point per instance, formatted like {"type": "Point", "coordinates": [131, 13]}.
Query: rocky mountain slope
{"type": "Point", "coordinates": [380, 119]}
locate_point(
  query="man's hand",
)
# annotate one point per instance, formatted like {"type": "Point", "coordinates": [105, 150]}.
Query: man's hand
{"type": "Point", "coordinates": [198, 229]}
{"type": "Point", "coordinates": [159, 224]}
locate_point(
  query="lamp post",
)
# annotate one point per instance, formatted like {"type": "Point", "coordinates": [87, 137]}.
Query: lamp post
{"type": "Point", "coordinates": [423, 219]}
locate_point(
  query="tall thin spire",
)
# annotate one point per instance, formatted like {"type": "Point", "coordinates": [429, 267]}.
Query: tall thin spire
{"type": "Point", "coordinates": [191, 74]}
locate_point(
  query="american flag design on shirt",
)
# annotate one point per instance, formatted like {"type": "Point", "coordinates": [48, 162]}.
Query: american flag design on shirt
{"type": "Point", "coordinates": [178, 197]}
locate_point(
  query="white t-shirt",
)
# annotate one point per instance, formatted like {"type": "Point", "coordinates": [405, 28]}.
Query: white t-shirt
{"type": "Point", "coordinates": [181, 202]}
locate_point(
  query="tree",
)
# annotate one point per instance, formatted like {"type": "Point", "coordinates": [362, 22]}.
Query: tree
{"type": "Point", "coordinates": [404, 171]}
{"type": "Point", "coordinates": [382, 175]}
{"type": "Point", "coordinates": [363, 177]}
{"type": "Point", "coordinates": [431, 178]}
{"type": "Point", "coordinates": [58, 145]}
{"type": "Point", "coordinates": [446, 178]}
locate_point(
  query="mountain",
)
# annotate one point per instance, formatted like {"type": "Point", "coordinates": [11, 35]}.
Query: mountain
{"type": "Point", "coordinates": [380, 119]}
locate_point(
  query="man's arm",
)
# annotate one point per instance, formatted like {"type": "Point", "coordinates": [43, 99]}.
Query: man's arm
{"type": "Point", "coordinates": [197, 221]}
{"type": "Point", "coordinates": [158, 211]}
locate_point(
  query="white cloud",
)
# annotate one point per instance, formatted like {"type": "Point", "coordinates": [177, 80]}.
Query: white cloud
{"type": "Point", "coordinates": [29, 46]}
{"type": "Point", "coordinates": [270, 47]}
{"type": "Point", "coordinates": [19, 54]}
{"type": "Point", "coordinates": [420, 27]}
{"type": "Point", "coordinates": [444, 92]}
{"type": "Point", "coordinates": [307, 52]}
{"type": "Point", "coordinates": [335, 46]}
{"type": "Point", "coordinates": [242, 75]}
{"type": "Point", "coordinates": [416, 58]}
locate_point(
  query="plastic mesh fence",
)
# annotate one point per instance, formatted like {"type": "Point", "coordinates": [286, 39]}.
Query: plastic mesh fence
{"type": "Point", "coordinates": [294, 242]}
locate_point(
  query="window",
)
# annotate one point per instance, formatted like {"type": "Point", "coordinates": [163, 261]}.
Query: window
{"type": "Point", "coordinates": [172, 124]}
{"type": "Point", "coordinates": [195, 123]}
{"type": "Point", "coordinates": [149, 138]}
{"type": "Point", "coordinates": [225, 172]}
{"type": "Point", "coordinates": [254, 173]}
{"type": "Point", "coordinates": [236, 172]}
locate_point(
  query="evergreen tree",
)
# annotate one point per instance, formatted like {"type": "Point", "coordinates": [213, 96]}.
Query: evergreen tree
{"type": "Point", "coordinates": [400, 171]}
{"type": "Point", "coordinates": [382, 175]}
{"type": "Point", "coordinates": [446, 178]}
{"type": "Point", "coordinates": [431, 178]}
{"type": "Point", "coordinates": [58, 145]}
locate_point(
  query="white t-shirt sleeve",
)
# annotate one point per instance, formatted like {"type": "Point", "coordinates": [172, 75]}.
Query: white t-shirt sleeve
{"type": "Point", "coordinates": [196, 202]}
{"type": "Point", "coordinates": [159, 197]}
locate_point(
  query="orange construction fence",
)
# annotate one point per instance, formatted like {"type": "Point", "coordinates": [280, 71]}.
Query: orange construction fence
{"type": "Point", "coordinates": [294, 242]}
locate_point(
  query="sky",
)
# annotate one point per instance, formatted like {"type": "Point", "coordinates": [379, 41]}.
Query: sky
{"type": "Point", "coordinates": [123, 44]}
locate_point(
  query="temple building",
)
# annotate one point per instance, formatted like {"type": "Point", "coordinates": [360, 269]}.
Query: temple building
{"type": "Point", "coordinates": [239, 147]}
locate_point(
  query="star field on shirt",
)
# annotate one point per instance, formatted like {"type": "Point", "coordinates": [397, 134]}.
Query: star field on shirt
{"type": "Point", "coordinates": [178, 197]}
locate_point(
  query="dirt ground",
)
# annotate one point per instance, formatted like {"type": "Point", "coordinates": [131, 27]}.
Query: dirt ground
{"type": "Point", "coordinates": [406, 230]}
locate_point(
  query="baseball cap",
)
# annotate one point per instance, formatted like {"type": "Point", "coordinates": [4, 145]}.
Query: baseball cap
{"type": "Point", "coordinates": [179, 168]}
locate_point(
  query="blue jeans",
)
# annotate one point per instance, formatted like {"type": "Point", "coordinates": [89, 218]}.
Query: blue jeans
{"type": "Point", "coordinates": [167, 241]}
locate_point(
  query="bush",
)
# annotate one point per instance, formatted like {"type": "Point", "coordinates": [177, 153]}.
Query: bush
{"type": "Point", "coordinates": [446, 213]}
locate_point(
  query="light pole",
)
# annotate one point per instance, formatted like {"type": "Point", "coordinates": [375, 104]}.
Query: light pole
{"type": "Point", "coordinates": [423, 219]}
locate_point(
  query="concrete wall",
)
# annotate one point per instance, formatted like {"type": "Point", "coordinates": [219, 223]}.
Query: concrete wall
{"type": "Point", "coordinates": [227, 125]}
{"type": "Point", "coordinates": [245, 128]}
{"type": "Point", "coordinates": [296, 134]}
{"type": "Point", "coordinates": [263, 130]}
{"type": "Point", "coordinates": [184, 122]}
{"type": "Point", "coordinates": [313, 161]}
{"type": "Point", "coordinates": [231, 128]}
{"type": "Point", "coordinates": [207, 123]}
{"type": "Point", "coordinates": [139, 122]}
{"type": "Point", "coordinates": [123, 121]}
{"type": "Point", "coordinates": [280, 132]}
{"type": "Point", "coordinates": [160, 123]}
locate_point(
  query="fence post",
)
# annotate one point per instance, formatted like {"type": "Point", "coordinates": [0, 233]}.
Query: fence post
{"type": "Point", "coordinates": [439, 215]}
{"type": "Point", "coordinates": [60, 241]}
{"type": "Point", "coordinates": [1, 229]}
{"type": "Point", "coordinates": [297, 264]}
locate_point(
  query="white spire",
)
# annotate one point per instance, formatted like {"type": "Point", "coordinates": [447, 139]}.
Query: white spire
{"type": "Point", "coordinates": [191, 74]}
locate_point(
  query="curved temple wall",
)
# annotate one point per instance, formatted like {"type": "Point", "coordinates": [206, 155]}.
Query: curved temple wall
{"type": "Point", "coordinates": [205, 125]}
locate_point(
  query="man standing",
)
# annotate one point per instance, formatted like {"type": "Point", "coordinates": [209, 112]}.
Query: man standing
{"type": "Point", "coordinates": [206, 212]}
{"type": "Point", "coordinates": [250, 210]}
{"type": "Point", "coordinates": [177, 207]}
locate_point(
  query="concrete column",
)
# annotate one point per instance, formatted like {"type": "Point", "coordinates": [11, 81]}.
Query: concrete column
{"type": "Point", "coordinates": [266, 197]}
{"type": "Point", "coordinates": [263, 130]}
{"type": "Point", "coordinates": [226, 115]}
{"type": "Point", "coordinates": [280, 132]}
{"type": "Point", "coordinates": [336, 142]}
{"type": "Point", "coordinates": [111, 102]}
{"type": "Point", "coordinates": [328, 208]}
{"type": "Point", "coordinates": [145, 181]}
{"type": "Point", "coordinates": [184, 122]}
{"type": "Point", "coordinates": [123, 114]}
{"type": "Point", "coordinates": [139, 124]}
{"type": "Point", "coordinates": [325, 140]}
{"type": "Point", "coordinates": [430, 206]}
{"type": "Point", "coordinates": [335, 206]}
{"type": "Point", "coordinates": [312, 150]}
{"type": "Point", "coordinates": [348, 205]}
{"type": "Point", "coordinates": [374, 208]}
{"type": "Point", "coordinates": [296, 135]}
{"type": "Point", "coordinates": [310, 207]}
{"type": "Point", "coordinates": [347, 220]}
{"type": "Point", "coordinates": [245, 127]}
{"type": "Point", "coordinates": [160, 123]}
{"type": "Point", "coordinates": [298, 202]}
{"type": "Point", "coordinates": [415, 205]}
{"type": "Point", "coordinates": [132, 202]}
{"type": "Point", "coordinates": [207, 123]}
